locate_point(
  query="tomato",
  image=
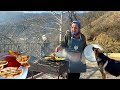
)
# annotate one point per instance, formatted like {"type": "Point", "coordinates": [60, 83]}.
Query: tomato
{"type": "Point", "coordinates": [12, 62]}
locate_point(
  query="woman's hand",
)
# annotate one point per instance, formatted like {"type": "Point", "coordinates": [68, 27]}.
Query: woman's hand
{"type": "Point", "coordinates": [58, 48]}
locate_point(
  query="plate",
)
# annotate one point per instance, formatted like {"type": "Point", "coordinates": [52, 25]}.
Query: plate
{"type": "Point", "coordinates": [22, 76]}
{"type": "Point", "coordinates": [89, 53]}
{"type": "Point", "coordinates": [11, 72]}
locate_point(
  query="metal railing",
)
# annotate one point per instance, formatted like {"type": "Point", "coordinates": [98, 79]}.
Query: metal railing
{"type": "Point", "coordinates": [34, 49]}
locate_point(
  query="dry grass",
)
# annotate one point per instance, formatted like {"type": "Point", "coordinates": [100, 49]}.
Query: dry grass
{"type": "Point", "coordinates": [105, 31]}
{"type": "Point", "coordinates": [115, 56]}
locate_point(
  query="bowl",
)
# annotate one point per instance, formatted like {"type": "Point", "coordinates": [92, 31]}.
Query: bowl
{"type": "Point", "coordinates": [89, 53]}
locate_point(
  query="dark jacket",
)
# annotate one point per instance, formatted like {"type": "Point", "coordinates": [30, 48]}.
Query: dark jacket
{"type": "Point", "coordinates": [68, 36]}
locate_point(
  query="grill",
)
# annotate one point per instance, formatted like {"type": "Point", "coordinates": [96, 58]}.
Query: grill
{"type": "Point", "coordinates": [55, 67]}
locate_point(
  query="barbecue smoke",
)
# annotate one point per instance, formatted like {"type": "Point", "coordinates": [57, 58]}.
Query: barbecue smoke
{"type": "Point", "coordinates": [68, 55]}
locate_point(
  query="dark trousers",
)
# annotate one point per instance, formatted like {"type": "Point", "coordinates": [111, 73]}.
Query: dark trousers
{"type": "Point", "coordinates": [73, 75]}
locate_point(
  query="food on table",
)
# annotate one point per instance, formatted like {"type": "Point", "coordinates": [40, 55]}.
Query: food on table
{"type": "Point", "coordinates": [13, 53]}
{"type": "Point", "coordinates": [25, 65]}
{"type": "Point", "coordinates": [23, 58]}
{"type": "Point", "coordinates": [12, 62]}
{"type": "Point", "coordinates": [3, 62]}
{"type": "Point", "coordinates": [11, 72]}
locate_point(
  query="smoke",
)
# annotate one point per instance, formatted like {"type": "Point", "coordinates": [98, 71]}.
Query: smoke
{"type": "Point", "coordinates": [72, 56]}
{"type": "Point", "coordinates": [62, 53]}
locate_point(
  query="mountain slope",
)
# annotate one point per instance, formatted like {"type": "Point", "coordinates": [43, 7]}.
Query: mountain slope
{"type": "Point", "coordinates": [105, 31]}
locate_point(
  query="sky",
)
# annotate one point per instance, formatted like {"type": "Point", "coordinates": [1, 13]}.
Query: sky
{"type": "Point", "coordinates": [45, 11]}
{"type": "Point", "coordinates": [41, 11]}
{"type": "Point", "coordinates": [34, 11]}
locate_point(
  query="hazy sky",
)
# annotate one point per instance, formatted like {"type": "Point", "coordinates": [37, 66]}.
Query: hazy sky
{"type": "Point", "coordinates": [45, 11]}
{"type": "Point", "coordinates": [40, 11]}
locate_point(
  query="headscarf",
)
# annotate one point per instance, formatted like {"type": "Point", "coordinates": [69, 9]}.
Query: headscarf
{"type": "Point", "coordinates": [79, 25]}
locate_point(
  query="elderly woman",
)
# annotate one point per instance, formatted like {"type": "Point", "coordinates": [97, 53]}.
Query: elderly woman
{"type": "Point", "coordinates": [74, 42]}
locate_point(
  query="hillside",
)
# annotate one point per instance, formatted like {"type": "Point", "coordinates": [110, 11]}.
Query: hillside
{"type": "Point", "coordinates": [87, 18]}
{"type": "Point", "coordinates": [100, 27]}
{"type": "Point", "coordinates": [16, 25]}
{"type": "Point", "coordinates": [105, 31]}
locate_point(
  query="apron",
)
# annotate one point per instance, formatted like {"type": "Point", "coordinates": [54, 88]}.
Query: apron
{"type": "Point", "coordinates": [76, 59]}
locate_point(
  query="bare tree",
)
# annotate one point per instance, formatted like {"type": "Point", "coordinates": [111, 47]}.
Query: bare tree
{"type": "Point", "coordinates": [59, 22]}
{"type": "Point", "coordinates": [72, 16]}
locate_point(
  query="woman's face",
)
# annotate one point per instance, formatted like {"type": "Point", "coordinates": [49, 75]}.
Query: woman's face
{"type": "Point", "coordinates": [74, 28]}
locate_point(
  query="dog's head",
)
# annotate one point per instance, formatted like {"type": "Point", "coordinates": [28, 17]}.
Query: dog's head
{"type": "Point", "coordinates": [97, 51]}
